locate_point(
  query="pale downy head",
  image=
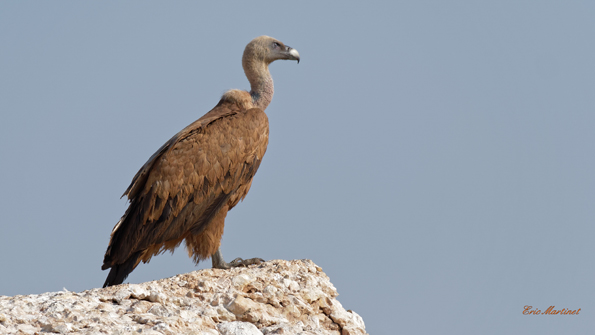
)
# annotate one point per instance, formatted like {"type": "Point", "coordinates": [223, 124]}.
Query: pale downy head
{"type": "Point", "coordinates": [267, 49]}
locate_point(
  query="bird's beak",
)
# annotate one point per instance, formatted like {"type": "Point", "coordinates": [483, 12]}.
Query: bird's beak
{"type": "Point", "coordinates": [292, 54]}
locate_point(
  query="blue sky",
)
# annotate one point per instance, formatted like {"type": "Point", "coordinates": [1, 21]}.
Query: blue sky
{"type": "Point", "coordinates": [434, 158]}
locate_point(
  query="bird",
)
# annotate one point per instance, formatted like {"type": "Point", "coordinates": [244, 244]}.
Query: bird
{"type": "Point", "coordinates": [185, 189]}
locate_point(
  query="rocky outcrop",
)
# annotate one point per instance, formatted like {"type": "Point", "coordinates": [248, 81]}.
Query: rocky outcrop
{"type": "Point", "coordinates": [276, 297]}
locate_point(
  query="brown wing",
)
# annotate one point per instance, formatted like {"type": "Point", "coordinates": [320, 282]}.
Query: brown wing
{"type": "Point", "coordinates": [178, 191]}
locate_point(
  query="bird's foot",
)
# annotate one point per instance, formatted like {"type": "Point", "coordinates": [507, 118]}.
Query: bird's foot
{"type": "Point", "coordinates": [245, 262]}
{"type": "Point", "coordinates": [219, 263]}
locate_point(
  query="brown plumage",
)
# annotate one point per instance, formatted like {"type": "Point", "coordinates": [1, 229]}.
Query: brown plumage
{"type": "Point", "coordinates": [183, 192]}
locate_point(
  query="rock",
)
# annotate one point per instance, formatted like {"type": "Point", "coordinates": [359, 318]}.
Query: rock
{"type": "Point", "coordinates": [28, 329]}
{"type": "Point", "coordinates": [275, 297]}
{"type": "Point", "coordinates": [238, 328]}
{"type": "Point", "coordinates": [138, 292]}
{"type": "Point", "coordinates": [349, 321]}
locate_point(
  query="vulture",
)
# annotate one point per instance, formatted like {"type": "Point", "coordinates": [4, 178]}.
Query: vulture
{"type": "Point", "coordinates": [184, 190]}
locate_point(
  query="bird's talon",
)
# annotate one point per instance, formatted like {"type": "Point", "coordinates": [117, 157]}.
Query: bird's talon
{"type": "Point", "coordinates": [237, 262]}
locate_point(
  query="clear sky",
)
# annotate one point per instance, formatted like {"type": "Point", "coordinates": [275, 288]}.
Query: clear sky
{"type": "Point", "coordinates": [435, 158]}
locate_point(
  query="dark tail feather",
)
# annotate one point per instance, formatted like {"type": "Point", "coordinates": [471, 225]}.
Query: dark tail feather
{"type": "Point", "coordinates": [119, 272]}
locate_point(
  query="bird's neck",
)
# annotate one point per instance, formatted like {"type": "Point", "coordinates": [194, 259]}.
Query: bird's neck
{"type": "Point", "coordinates": [261, 85]}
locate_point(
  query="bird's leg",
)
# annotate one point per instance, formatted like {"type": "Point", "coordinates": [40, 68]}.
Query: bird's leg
{"type": "Point", "coordinates": [219, 262]}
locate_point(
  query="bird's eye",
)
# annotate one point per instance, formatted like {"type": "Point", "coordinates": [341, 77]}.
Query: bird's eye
{"type": "Point", "coordinates": [276, 45]}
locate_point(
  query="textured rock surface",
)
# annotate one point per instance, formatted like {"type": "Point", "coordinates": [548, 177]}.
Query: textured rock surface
{"type": "Point", "coordinates": [276, 297]}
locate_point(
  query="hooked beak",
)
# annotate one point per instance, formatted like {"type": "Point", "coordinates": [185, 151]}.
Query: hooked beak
{"type": "Point", "coordinates": [292, 54]}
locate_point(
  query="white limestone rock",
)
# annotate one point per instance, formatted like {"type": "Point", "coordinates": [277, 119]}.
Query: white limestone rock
{"type": "Point", "coordinates": [275, 297]}
{"type": "Point", "coordinates": [238, 328]}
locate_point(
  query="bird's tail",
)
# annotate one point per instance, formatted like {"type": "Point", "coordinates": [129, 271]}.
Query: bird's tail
{"type": "Point", "coordinates": [119, 272]}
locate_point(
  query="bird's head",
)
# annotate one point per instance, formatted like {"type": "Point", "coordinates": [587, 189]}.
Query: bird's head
{"type": "Point", "coordinates": [268, 50]}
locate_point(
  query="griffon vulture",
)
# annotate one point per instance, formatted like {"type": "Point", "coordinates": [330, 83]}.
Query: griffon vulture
{"type": "Point", "coordinates": [183, 192]}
